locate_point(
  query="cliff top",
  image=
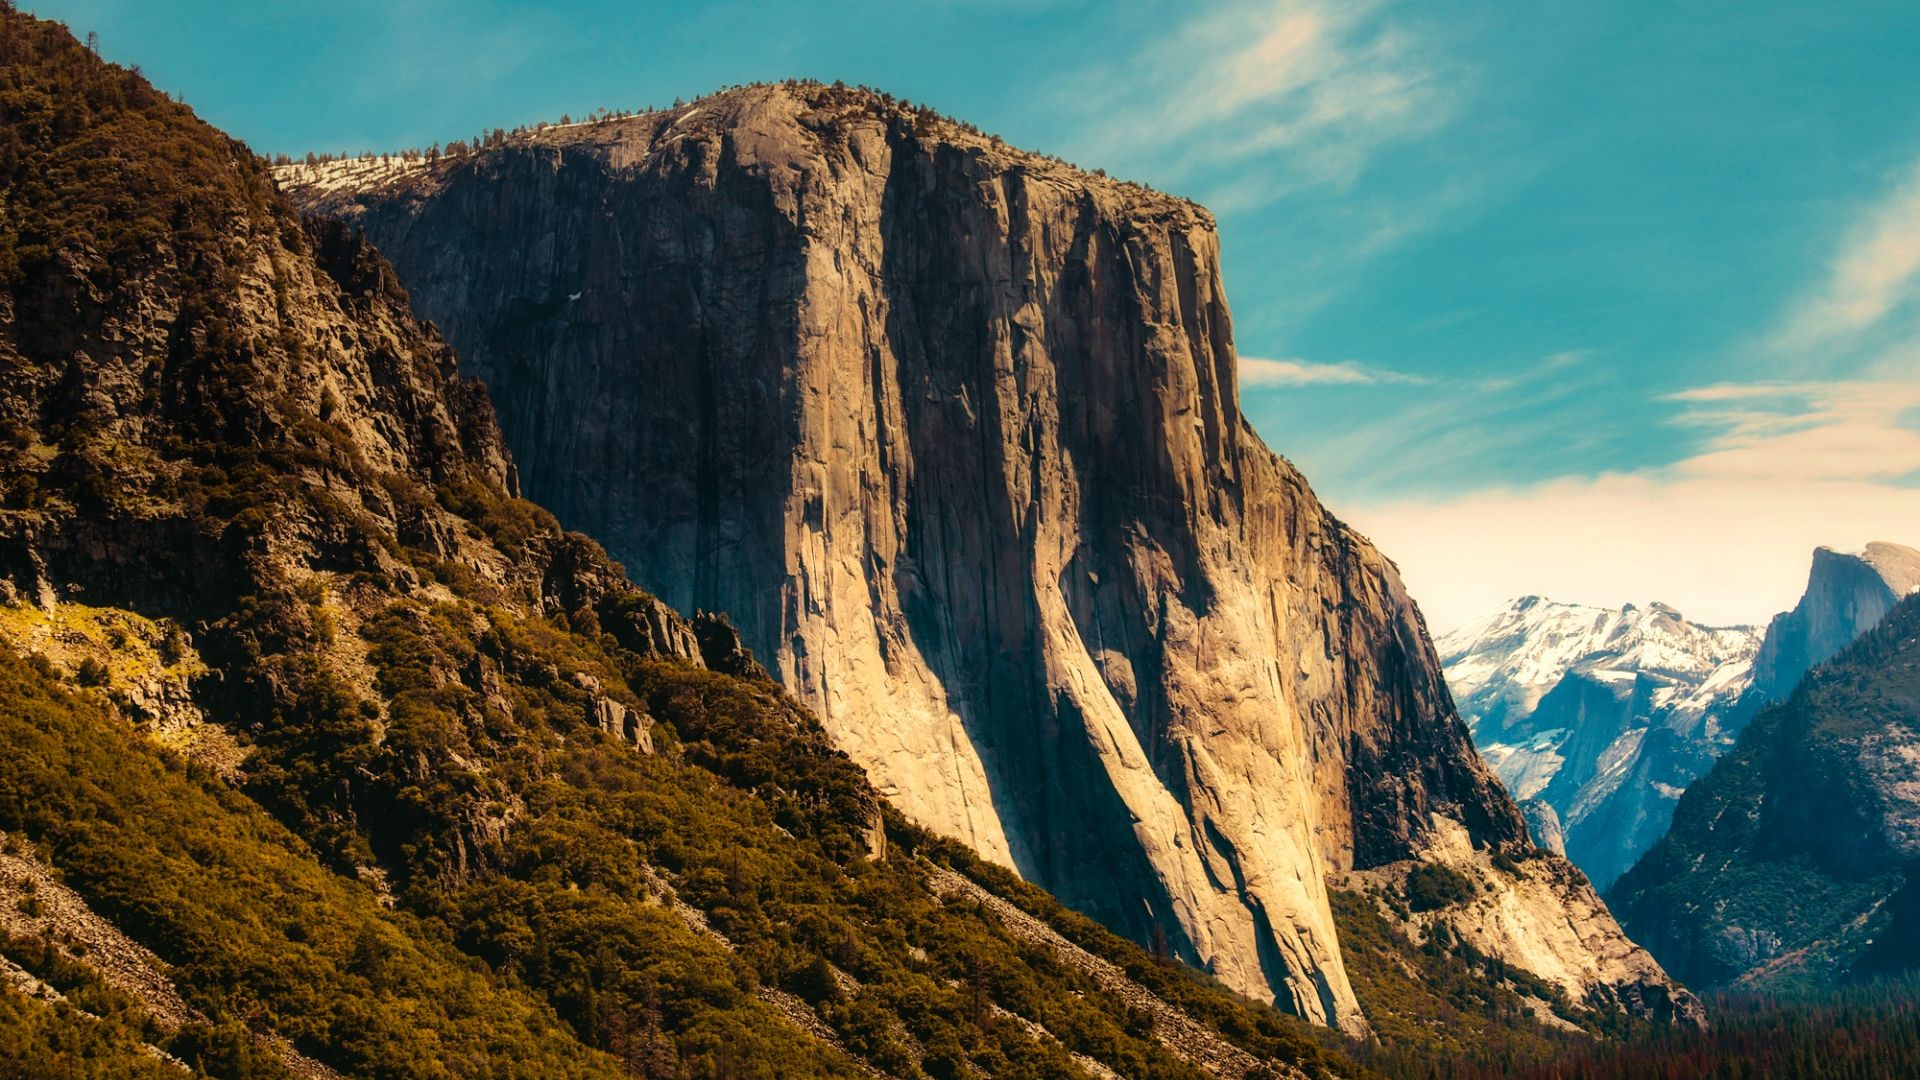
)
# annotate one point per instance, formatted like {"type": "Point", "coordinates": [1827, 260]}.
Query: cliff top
{"type": "Point", "coordinates": [830, 112]}
{"type": "Point", "coordinates": [1895, 564]}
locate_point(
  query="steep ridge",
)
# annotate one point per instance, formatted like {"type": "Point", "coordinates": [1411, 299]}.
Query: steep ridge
{"type": "Point", "coordinates": [467, 781]}
{"type": "Point", "coordinates": [1795, 862]}
{"type": "Point", "coordinates": [1848, 593]}
{"type": "Point", "coordinates": [951, 432]}
{"type": "Point", "coordinates": [1596, 719]}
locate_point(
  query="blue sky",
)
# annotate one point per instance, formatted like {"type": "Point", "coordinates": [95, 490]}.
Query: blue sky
{"type": "Point", "coordinates": [1603, 301]}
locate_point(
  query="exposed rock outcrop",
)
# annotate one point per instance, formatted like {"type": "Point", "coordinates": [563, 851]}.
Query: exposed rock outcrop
{"type": "Point", "coordinates": [1543, 821]}
{"type": "Point", "coordinates": [951, 432]}
{"type": "Point", "coordinates": [1542, 910]}
{"type": "Point", "coordinates": [1848, 592]}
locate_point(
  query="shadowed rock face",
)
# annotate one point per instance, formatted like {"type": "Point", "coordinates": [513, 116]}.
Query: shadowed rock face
{"type": "Point", "coordinates": [951, 432]}
{"type": "Point", "coordinates": [1848, 592]}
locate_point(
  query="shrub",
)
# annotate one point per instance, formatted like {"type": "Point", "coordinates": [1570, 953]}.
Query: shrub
{"type": "Point", "coordinates": [1431, 887]}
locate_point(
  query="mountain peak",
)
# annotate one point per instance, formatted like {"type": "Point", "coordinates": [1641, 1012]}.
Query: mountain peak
{"type": "Point", "coordinates": [1848, 591]}
{"type": "Point", "coordinates": [1502, 664]}
{"type": "Point", "coordinates": [1895, 564]}
{"type": "Point", "coordinates": [1596, 714]}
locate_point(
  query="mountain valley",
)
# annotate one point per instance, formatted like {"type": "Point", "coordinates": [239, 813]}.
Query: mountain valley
{"type": "Point", "coordinates": [362, 765]}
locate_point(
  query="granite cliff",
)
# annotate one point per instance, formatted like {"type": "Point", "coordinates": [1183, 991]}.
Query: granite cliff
{"type": "Point", "coordinates": [323, 754]}
{"type": "Point", "coordinates": [1847, 594]}
{"type": "Point", "coordinates": [951, 431]}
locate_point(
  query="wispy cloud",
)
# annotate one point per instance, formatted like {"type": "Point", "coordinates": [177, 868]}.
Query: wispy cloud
{"type": "Point", "coordinates": [1723, 534]}
{"type": "Point", "coordinates": [1876, 271]}
{"type": "Point", "coordinates": [1314, 88]}
{"type": "Point", "coordinates": [1546, 367]}
{"type": "Point", "coordinates": [1426, 432]}
{"type": "Point", "coordinates": [1261, 371]}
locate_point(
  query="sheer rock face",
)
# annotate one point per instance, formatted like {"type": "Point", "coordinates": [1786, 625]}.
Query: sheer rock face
{"type": "Point", "coordinates": [1848, 592]}
{"type": "Point", "coordinates": [952, 434]}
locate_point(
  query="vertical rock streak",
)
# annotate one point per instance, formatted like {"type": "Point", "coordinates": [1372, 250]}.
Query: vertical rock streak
{"type": "Point", "coordinates": [951, 431]}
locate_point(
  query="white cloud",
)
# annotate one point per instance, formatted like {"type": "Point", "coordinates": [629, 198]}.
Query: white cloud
{"type": "Point", "coordinates": [1723, 535]}
{"type": "Point", "coordinates": [1315, 89]}
{"type": "Point", "coordinates": [1260, 371]}
{"type": "Point", "coordinates": [1876, 270]}
{"type": "Point", "coordinates": [1454, 429]}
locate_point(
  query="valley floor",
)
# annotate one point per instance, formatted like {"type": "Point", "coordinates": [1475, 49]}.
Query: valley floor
{"type": "Point", "coordinates": [1870, 1032]}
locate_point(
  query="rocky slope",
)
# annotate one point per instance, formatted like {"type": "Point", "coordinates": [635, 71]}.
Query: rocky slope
{"type": "Point", "coordinates": [475, 805]}
{"type": "Point", "coordinates": [1795, 862]}
{"type": "Point", "coordinates": [1597, 719]}
{"type": "Point", "coordinates": [952, 433]}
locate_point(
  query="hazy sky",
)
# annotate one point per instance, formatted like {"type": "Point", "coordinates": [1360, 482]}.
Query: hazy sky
{"type": "Point", "coordinates": [1605, 302]}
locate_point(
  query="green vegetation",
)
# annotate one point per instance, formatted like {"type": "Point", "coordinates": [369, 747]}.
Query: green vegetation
{"type": "Point", "coordinates": [1858, 1033]}
{"type": "Point", "coordinates": [255, 931]}
{"type": "Point", "coordinates": [1780, 850]}
{"type": "Point", "coordinates": [44, 1041]}
{"type": "Point", "coordinates": [760, 825]}
{"type": "Point", "coordinates": [1431, 886]}
{"type": "Point", "coordinates": [95, 1030]}
{"type": "Point", "coordinates": [569, 907]}
{"type": "Point", "coordinates": [95, 162]}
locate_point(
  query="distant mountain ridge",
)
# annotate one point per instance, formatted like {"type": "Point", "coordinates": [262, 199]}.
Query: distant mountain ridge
{"type": "Point", "coordinates": [1597, 718]}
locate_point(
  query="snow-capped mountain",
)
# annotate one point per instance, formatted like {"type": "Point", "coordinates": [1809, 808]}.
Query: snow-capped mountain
{"type": "Point", "coordinates": [1501, 665]}
{"type": "Point", "coordinates": [1598, 718]}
